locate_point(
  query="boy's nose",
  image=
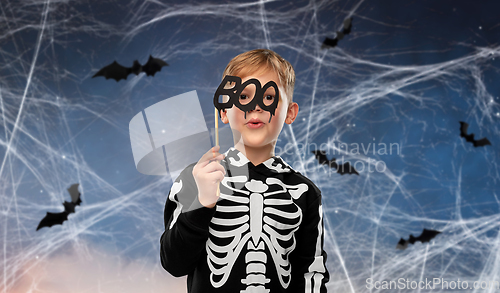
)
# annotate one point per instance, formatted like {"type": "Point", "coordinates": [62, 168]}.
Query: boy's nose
{"type": "Point", "coordinates": [257, 108]}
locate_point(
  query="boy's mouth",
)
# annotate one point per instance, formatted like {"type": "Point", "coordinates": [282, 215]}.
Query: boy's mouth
{"type": "Point", "coordinates": [255, 123]}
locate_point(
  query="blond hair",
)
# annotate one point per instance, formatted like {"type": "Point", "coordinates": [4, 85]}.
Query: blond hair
{"type": "Point", "coordinates": [263, 59]}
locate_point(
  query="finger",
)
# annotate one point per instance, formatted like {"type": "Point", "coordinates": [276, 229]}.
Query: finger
{"type": "Point", "coordinates": [215, 153]}
{"type": "Point", "coordinates": [217, 158]}
{"type": "Point", "coordinates": [210, 155]}
{"type": "Point", "coordinates": [213, 167]}
{"type": "Point", "coordinates": [215, 177]}
{"type": "Point", "coordinates": [211, 179]}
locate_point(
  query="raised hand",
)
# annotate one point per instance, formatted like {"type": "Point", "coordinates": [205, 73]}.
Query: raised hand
{"type": "Point", "coordinates": [207, 174]}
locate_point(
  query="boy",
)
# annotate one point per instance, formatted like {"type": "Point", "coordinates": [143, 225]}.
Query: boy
{"type": "Point", "coordinates": [264, 233]}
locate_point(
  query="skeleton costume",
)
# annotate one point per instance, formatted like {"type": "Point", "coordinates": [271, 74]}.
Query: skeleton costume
{"type": "Point", "coordinates": [265, 233]}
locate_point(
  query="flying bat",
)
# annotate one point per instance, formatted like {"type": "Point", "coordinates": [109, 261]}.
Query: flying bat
{"type": "Point", "coordinates": [340, 35]}
{"type": "Point", "coordinates": [345, 168]}
{"type": "Point", "coordinates": [470, 137]}
{"type": "Point", "coordinates": [426, 236]}
{"type": "Point", "coordinates": [118, 72]}
{"type": "Point", "coordinates": [52, 219]}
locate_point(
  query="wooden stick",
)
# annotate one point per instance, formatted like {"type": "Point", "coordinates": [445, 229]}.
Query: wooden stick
{"type": "Point", "coordinates": [216, 127]}
{"type": "Point", "coordinates": [217, 141]}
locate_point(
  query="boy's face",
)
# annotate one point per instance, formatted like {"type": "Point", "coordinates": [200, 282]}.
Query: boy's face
{"type": "Point", "coordinates": [256, 130]}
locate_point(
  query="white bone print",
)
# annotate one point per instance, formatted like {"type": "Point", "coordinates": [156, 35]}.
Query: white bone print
{"type": "Point", "coordinates": [262, 216]}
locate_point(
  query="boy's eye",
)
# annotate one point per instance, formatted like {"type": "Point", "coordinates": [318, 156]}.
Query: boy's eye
{"type": "Point", "coordinates": [244, 99]}
{"type": "Point", "coordinates": [268, 100]}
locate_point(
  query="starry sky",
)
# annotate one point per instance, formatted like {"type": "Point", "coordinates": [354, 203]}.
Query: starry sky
{"type": "Point", "coordinates": [388, 99]}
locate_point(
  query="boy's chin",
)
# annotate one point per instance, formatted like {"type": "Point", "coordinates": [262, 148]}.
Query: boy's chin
{"type": "Point", "coordinates": [252, 141]}
{"type": "Point", "coordinates": [257, 144]}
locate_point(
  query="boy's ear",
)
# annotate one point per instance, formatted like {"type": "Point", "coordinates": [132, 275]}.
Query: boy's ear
{"type": "Point", "coordinates": [223, 116]}
{"type": "Point", "coordinates": [293, 110]}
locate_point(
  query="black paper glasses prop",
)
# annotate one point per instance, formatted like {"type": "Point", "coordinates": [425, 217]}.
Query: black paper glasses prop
{"type": "Point", "coordinates": [243, 102]}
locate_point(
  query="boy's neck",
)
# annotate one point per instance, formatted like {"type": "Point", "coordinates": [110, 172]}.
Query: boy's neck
{"type": "Point", "coordinates": [256, 155]}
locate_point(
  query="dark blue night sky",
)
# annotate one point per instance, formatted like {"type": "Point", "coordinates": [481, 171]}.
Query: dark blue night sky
{"type": "Point", "coordinates": [404, 77]}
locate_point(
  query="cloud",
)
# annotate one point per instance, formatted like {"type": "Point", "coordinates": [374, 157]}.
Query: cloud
{"type": "Point", "coordinates": [95, 270]}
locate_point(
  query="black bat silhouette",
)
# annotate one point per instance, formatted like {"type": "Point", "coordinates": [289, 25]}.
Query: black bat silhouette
{"type": "Point", "coordinates": [426, 236]}
{"type": "Point", "coordinates": [340, 35]}
{"type": "Point", "coordinates": [52, 219]}
{"type": "Point", "coordinates": [118, 72]}
{"type": "Point", "coordinates": [345, 168]}
{"type": "Point", "coordinates": [470, 137]}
